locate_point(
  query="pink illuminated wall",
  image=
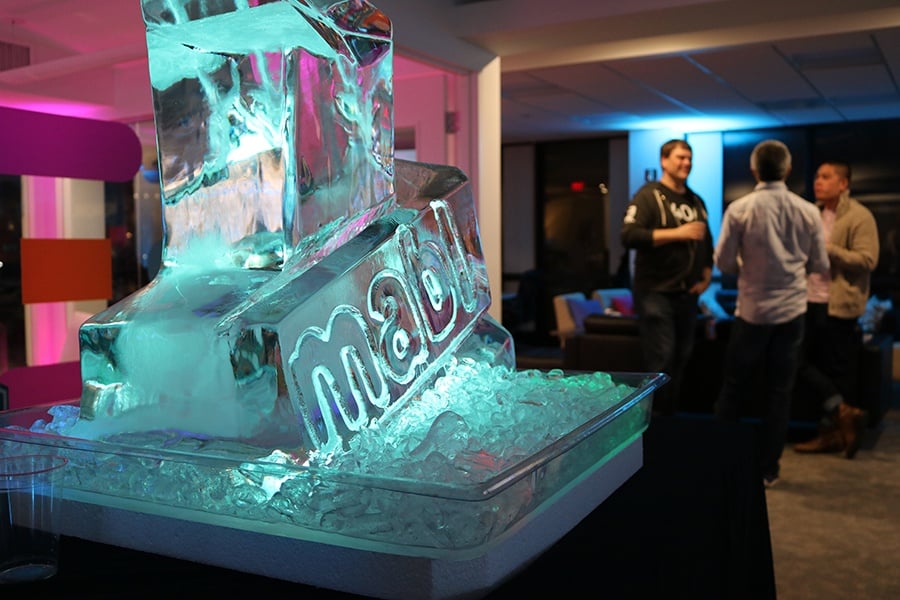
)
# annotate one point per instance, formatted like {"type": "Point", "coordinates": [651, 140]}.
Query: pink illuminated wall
{"type": "Point", "coordinates": [49, 318]}
{"type": "Point", "coordinates": [41, 200]}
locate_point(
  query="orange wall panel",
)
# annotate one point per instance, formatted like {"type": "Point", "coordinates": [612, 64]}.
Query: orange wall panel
{"type": "Point", "coordinates": [65, 270]}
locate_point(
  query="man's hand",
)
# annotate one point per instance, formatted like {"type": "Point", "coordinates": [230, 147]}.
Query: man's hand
{"type": "Point", "coordinates": [693, 231]}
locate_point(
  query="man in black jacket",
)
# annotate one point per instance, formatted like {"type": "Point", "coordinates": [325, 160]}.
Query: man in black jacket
{"type": "Point", "coordinates": [666, 223]}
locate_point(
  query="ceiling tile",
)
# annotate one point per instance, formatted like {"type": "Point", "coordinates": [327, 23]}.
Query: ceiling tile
{"type": "Point", "coordinates": [888, 42]}
{"type": "Point", "coordinates": [601, 83]}
{"type": "Point", "coordinates": [827, 45]}
{"type": "Point", "coordinates": [566, 102]}
{"type": "Point", "coordinates": [758, 73]}
{"type": "Point", "coordinates": [684, 83]}
{"type": "Point", "coordinates": [851, 81]}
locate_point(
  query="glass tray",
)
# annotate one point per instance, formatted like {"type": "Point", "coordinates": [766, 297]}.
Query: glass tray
{"type": "Point", "coordinates": [223, 485]}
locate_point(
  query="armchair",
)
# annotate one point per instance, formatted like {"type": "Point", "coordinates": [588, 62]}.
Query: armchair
{"type": "Point", "coordinates": [570, 310]}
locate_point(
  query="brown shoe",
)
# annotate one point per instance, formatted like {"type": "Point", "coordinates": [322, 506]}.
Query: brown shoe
{"type": "Point", "coordinates": [852, 425]}
{"type": "Point", "coordinates": [826, 441]}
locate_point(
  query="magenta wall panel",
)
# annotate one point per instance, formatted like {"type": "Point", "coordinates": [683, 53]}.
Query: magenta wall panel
{"type": "Point", "coordinates": [42, 384]}
{"type": "Point", "coordinates": [34, 143]}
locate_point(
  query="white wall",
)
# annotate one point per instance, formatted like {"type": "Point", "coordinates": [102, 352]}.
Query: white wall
{"type": "Point", "coordinates": [487, 181]}
{"type": "Point", "coordinates": [84, 217]}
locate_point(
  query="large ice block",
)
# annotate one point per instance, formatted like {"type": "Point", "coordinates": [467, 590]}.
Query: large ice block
{"type": "Point", "coordinates": [274, 125]}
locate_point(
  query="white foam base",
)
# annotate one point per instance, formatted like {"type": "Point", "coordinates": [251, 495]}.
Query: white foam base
{"type": "Point", "coordinates": [343, 568]}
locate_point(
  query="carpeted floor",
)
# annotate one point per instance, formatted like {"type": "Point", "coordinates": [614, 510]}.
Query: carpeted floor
{"type": "Point", "coordinates": [835, 523]}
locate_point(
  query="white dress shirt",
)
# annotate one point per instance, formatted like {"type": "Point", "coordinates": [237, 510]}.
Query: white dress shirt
{"type": "Point", "coordinates": [772, 238]}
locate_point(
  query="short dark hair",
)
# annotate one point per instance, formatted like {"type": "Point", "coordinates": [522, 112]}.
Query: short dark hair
{"type": "Point", "coordinates": [842, 168]}
{"type": "Point", "coordinates": [667, 148]}
{"type": "Point", "coordinates": [771, 160]}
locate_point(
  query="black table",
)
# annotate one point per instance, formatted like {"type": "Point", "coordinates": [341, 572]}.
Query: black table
{"type": "Point", "coordinates": [691, 523]}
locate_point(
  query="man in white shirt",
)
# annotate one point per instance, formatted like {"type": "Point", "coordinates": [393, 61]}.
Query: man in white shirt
{"type": "Point", "coordinates": [772, 239]}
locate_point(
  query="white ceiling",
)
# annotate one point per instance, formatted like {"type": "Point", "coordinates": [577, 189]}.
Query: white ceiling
{"type": "Point", "coordinates": [569, 67]}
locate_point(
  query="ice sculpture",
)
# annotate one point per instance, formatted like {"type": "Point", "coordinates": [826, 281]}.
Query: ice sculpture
{"type": "Point", "coordinates": [312, 373]}
{"type": "Point", "coordinates": [308, 289]}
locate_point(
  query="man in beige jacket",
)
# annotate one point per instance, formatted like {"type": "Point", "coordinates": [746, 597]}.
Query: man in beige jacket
{"type": "Point", "coordinates": [834, 304]}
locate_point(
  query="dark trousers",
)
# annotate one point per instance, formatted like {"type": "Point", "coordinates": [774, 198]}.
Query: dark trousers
{"type": "Point", "coordinates": [829, 358]}
{"type": "Point", "coordinates": [777, 348]}
{"type": "Point", "coordinates": [667, 324]}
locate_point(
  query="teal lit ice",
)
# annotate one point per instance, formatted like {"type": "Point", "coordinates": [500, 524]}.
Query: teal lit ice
{"type": "Point", "coordinates": [307, 288]}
